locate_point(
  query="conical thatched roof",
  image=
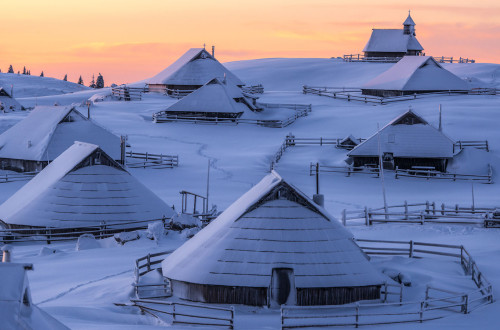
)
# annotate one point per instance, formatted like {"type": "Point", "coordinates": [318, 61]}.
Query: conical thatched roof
{"type": "Point", "coordinates": [82, 187]}
{"type": "Point", "coordinates": [273, 225]}
{"type": "Point", "coordinates": [195, 68]}
{"type": "Point", "coordinates": [416, 73]}
{"type": "Point", "coordinates": [49, 130]}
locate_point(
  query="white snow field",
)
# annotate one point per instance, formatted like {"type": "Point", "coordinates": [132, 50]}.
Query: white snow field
{"type": "Point", "coordinates": [79, 287]}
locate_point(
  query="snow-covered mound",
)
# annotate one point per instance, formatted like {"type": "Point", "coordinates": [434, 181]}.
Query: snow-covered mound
{"type": "Point", "coordinates": [290, 74]}
{"type": "Point", "coordinates": [31, 86]}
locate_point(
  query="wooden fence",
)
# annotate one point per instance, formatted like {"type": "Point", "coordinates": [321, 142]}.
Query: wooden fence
{"type": "Point", "coordinates": [302, 110]}
{"type": "Point", "coordinates": [398, 173]}
{"type": "Point", "coordinates": [354, 94]}
{"type": "Point", "coordinates": [430, 308]}
{"type": "Point", "coordinates": [459, 145]}
{"type": "Point", "coordinates": [54, 234]}
{"type": "Point", "coordinates": [188, 314]}
{"type": "Point", "coordinates": [421, 213]}
{"type": "Point", "coordinates": [145, 159]}
{"type": "Point", "coordinates": [13, 177]}
{"type": "Point", "coordinates": [144, 265]}
{"type": "Point", "coordinates": [124, 92]}
{"type": "Point", "coordinates": [254, 89]}
{"type": "Point", "coordinates": [439, 59]}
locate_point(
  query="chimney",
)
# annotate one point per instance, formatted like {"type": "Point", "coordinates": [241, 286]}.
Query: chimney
{"type": "Point", "coordinates": [6, 253]}
{"type": "Point", "coordinates": [318, 198]}
{"type": "Point", "coordinates": [213, 51]}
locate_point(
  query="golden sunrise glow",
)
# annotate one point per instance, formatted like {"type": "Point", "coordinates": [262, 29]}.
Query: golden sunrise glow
{"type": "Point", "coordinates": [132, 40]}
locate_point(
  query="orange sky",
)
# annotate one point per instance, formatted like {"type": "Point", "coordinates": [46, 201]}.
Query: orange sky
{"type": "Point", "coordinates": [131, 40]}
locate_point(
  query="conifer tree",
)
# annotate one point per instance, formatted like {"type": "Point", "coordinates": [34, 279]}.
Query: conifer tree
{"type": "Point", "coordinates": [24, 70]}
{"type": "Point", "coordinates": [65, 77]}
{"type": "Point", "coordinates": [11, 69]}
{"type": "Point", "coordinates": [100, 81]}
{"type": "Point", "coordinates": [41, 74]}
{"type": "Point", "coordinates": [92, 83]}
{"type": "Point", "coordinates": [80, 80]}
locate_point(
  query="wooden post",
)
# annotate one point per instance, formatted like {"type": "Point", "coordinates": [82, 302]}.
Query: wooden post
{"type": "Point", "coordinates": [456, 208]}
{"type": "Point", "coordinates": [422, 218]}
{"type": "Point", "coordinates": [401, 293]}
{"type": "Point", "coordinates": [344, 217]}
{"type": "Point", "coordinates": [465, 306]}
{"type": "Point", "coordinates": [433, 208]}
{"type": "Point", "coordinates": [173, 312]}
{"type": "Point", "coordinates": [411, 249]}
{"type": "Point", "coordinates": [148, 260]}
{"type": "Point", "coordinates": [421, 312]}
{"type": "Point", "coordinates": [357, 315]}
{"type": "Point", "coordinates": [406, 210]}
{"type": "Point", "coordinates": [367, 217]}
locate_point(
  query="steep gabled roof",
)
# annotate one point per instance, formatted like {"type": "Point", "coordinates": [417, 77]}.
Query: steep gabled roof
{"type": "Point", "coordinates": [407, 136]}
{"type": "Point", "coordinates": [215, 96]}
{"type": "Point", "coordinates": [417, 73]}
{"type": "Point", "coordinates": [273, 225]}
{"type": "Point", "coordinates": [409, 20]}
{"type": "Point", "coordinates": [391, 41]}
{"type": "Point", "coordinates": [82, 187]}
{"type": "Point", "coordinates": [49, 130]}
{"type": "Point", "coordinates": [196, 67]}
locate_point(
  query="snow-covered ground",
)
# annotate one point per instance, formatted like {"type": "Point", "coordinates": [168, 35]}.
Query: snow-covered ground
{"type": "Point", "coordinates": [80, 287]}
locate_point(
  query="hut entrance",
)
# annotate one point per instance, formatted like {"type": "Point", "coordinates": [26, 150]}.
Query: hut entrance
{"type": "Point", "coordinates": [283, 287]}
{"type": "Point", "coordinates": [388, 160]}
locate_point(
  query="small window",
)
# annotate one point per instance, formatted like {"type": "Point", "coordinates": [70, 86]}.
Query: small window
{"type": "Point", "coordinates": [391, 138]}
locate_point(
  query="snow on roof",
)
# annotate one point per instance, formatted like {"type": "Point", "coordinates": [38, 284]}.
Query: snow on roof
{"type": "Point", "coordinates": [215, 96]}
{"type": "Point", "coordinates": [72, 191]}
{"type": "Point", "coordinates": [391, 41]}
{"type": "Point", "coordinates": [7, 102]}
{"type": "Point", "coordinates": [14, 313]}
{"type": "Point", "coordinates": [417, 73]}
{"type": "Point", "coordinates": [409, 20]}
{"type": "Point", "coordinates": [196, 67]}
{"type": "Point", "coordinates": [49, 130]}
{"type": "Point", "coordinates": [272, 225]}
{"type": "Point", "coordinates": [418, 140]}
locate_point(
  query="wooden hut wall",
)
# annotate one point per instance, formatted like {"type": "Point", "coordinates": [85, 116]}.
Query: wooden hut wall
{"type": "Point", "coordinates": [194, 114]}
{"type": "Point", "coordinates": [220, 294]}
{"type": "Point", "coordinates": [336, 296]}
{"type": "Point", "coordinates": [22, 165]}
{"type": "Point", "coordinates": [384, 54]}
{"type": "Point", "coordinates": [439, 164]}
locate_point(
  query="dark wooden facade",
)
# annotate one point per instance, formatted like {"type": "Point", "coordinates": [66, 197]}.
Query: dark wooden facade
{"type": "Point", "coordinates": [253, 296]}
{"type": "Point", "coordinates": [389, 93]}
{"type": "Point", "coordinates": [439, 164]}
{"type": "Point", "coordinates": [22, 165]}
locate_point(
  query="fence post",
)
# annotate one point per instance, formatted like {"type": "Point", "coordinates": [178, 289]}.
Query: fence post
{"type": "Point", "coordinates": [48, 235]}
{"type": "Point", "coordinates": [411, 249]}
{"type": "Point", "coordinates": [173, 312]}
{"type": "Point", "coordinates": [465, 305]}
{"type": "Point", "coordinates": [401, 293]}
{"type": "Point", "coordinates": [422, 218]}
{"type": "Point", "coordinates": [367, 217]}
{"type": "Point", "coordinates": [344, 217]}
{"type": "Point", "coordinates": [385, 293]}
{"type": "Point", "coordinates": [406, 210]}
{"type": "Point", "coordinates": [149, 262]}
{"type": "Point", "coordinates": [357, 315]}
{"type": "Point", "coordinates": [421, 311]}
{"type": "Point", "coordinates": [232, 318]}
{"type": "Point", "coordinates": [433, 208]}
{"type": "Point", "coordinates": [456, 208]}
{"type": "Point", "coordinates": [427, 209]}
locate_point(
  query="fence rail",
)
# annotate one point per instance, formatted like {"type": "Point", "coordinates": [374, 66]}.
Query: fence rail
{"type": "Point", "coordinates": [55, 234]}
{"type": "Point", "coordinates": [13, 177]}
{"type": "Point", "coordinates": [128, 93]}
{"type": "Point", "coordinates": [437, 303]}
{"type": "Point", "coordinates": [440, 59]}
{"type": "Point", "coordinates": [254, 89]}
{"type": "Point", "coordinates": [355, 94]}
{"type": "Point", "coordinates": [145, 159]}
{"type": "Point", "coordinates": [189, 314]}
{"type": "Point", "coordinates": [427, 174]}
{"type": "Point", "coordinates": [302, 110]}
{"type": "Point", "coordinates": [420, 213]}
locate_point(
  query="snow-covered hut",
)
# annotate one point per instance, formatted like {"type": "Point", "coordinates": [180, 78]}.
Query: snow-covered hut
{"type": "Point", "coordinates": [216, 99]}
{"type": "Point", "coordinates": [17, 310]}
{"type": "Point", "coordinates": [394, 43]}
{"type": "Point", "coordinates": [273, 246]}
{"type": "Point", "coordinates": [349, 142]}
{"type": "Point", "coordinates": [405, 142]}
{"type": "Point", "coordinates": [46, 133]}
{"type": "Point", "coordinates": [191, 71]}
{"type": "Point", "coordinates": [83, 187]}
{"type": "Point", "coordinates": [7, 102]}
{"type": "Point", "coordinates": [414, 74]}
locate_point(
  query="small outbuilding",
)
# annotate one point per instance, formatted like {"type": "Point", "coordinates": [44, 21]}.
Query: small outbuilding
{"type": "Point", "coordinates": [394, 43]}
{"type": "Point", "coordinates": [47, 132]}
{"type": "Point", "coordinates": [17, 310]}
{"type": "Point", "coordinates": [414, 74]}
{"type": "Point", "coordinates": [83, 187]}
{"type": "Point", "coordinates": [273, 246]}
{"type": "Point", "coordinates": [219, 98]}
{"type": "Point", "coordinates": [191, 71]}
{"type": "Point", "coordinates": [7, 102]}
{"type": "Point", "coordinates": [406, 142]}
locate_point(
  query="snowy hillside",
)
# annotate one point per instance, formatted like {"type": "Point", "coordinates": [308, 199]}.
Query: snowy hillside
{"type": "Point", "coordinates": [31, 86]}
{"type": "Point", "coordinates": [80, 287]}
